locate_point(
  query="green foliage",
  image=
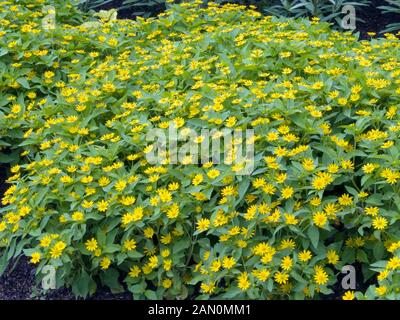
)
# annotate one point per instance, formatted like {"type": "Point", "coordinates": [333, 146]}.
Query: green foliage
{"type": "Point", "coordinates": [80, 100]}
{"type": "Point", "coordinates": [87, 5]}
{"type": "Point", "coordinates": [145, 8]}
{"type": "Point", "coordinates": [326, 10]}
{"type": "Point", "coordinates": [142, 8]}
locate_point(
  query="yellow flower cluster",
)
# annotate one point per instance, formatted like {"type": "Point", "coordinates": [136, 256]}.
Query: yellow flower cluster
{"type": "Point", "coordinates": [323, 193]}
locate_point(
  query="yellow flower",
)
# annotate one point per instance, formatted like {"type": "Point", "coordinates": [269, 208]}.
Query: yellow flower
{"type": "Point", "coordinates": [308, 164]}
{"type": "Point", "coordinates": [45, 241]}
{"type": "Point", "coordinates": [173, 186]}
{"type": "Point", "coordinates": [173, 211]}
{"type": "Point", "coordinates": [105, 263]}
{"type": "Point", "coordinates": [291, 219]}
{"type": "Point", "coordinates": [102, 206]}
{"type": "Point", "coordinates": [393, 263]}
{"type": "Point", "coordinates": [345, 200]}
{"type": "Point", "coordinates": [347, 165]}
{"type": "Point", "coordinates": [363, 194]}
{"type": "Point", "coordinates": [166, 239]}
{"type": "Point", "coordinates": [153, 262]}
{"type": "Point", "coordinates": [148, 232]}
{"type": "Point", "coordinates": [167, 264]}
{"type": "Point", "coordinates": [322, 180]}
{"type": "Point", "coordinates": [369, 167]}
{"type": "Point", "coordinates": [349, 295]}
{"type": "Point", "coordinates": [167, 283]}
{"type": "Point", "coordinates": [198, 178]}
{"type": "Point", "coordinates": [286, 263]}
{"type": "Point", "coordinates": [165, 195]}
{"type": "Point", "coordinates": [228, 262]}
{"type": "Point", "coordinates": [87, 179]}
{"type": "Point", "coordinates": [379, 223]}
{"type": "Point", "coordinates": [315, 202]}
{"type": "Point", "coordinates": [287, 192]}
{"type": "Point", "coordinates": [57, 250]}
{"type": "Point", "coordinates": [215, 265]}
{"type": "Point", "coordinates": [261, 275]}
{"type": "Point", "coordinates": [91, 245]}
{"type": "Point", "coordinates": [305, 255]}
{"type": "Point", "coordinates": [134, 272]}
{"type": "Point", "coordinates": [372, 211]}
{"type": "Point", "coordinates": [213, 173]}
{"type": "Point", "coordinates": [320, 276]}
{"type": "Point", "coordinates": [381, 290]}
{"type": "Point", "coordinates": [243, 281]}
{"type": "Point", "coordinates": [130, 244]}
{"type": "Point", "coordinates": [207, 288]}
{"type": "Point", "coordinates": [77, 216]}
{"type": "Point", "coordinates": [332, 257]}
{"type": "Point", "coordinates": [104, 181]}
{"type": "Point", "coordinates": [320, 219]}
{"type": "Point", "coordinates": [120, 185]}
{"type": "Point", "coordinates": [287, 244]}
{"type": "Point", "coordinates": [390, 175]}
{"type": "Point", "coordinates": [281, 277]}
{"type": "Point", "coordinates": [203, 224]}
{"type": "Point", "coordinates": [16, 108]}
{"type": "Point", "coordinates": [35, 257]}
{"type": "Point", "coordinates": [332, 168]}
{"type": "Point", "coordinates": [165, 253]}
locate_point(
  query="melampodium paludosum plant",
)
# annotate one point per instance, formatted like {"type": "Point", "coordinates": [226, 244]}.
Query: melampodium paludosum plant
{"type": "Point", "coordinates": [324, 192]}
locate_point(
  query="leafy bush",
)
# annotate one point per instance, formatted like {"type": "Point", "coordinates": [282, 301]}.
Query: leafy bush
{"type": "Point", "coordinates": [15, 76]}
{"type": "Point", "coordinates": [324, 192]}
{"type": "Point", "coordinates": [393, 6]}
{"type": "Point", "coordinates": [326, 10]}
{"type": "Point", "coordinates": [87, 5]}
{"type": "Point", "coordinates": [143, 8]}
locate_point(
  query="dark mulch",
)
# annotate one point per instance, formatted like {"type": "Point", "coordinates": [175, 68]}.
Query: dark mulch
{"type": "Point", "coordinates": [3, 177]}
{"type": "Point", "coordinates": [19, 284]}
{"type": "Point", "coordinates": [374, 20]}
{"type": "Point", "coordinates": [132, 12]}
{"type": "Point", "coordinates": [18, 281]}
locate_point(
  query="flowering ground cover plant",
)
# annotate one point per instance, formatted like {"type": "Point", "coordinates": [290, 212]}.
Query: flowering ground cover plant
{"type": "Point", "coordinates": [79, 99]}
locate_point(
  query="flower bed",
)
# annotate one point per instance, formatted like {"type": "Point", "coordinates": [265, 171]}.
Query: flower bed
{"type": "Point", "coordinates": [323, 193]}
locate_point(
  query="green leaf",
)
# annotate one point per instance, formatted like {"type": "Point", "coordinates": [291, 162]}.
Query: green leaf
{"type": "Point", "coordinates": [313, 234]}
{"type": "Point", "coordinates": [23, 82]}
{"type": "Point", "coordinates": [3, 263]}
{"type": "Point", "coordinates": [151, 295]}
{"type": "Point", "coordinates": [110, 279]}
{"type": "Point", "coordinates": [135, 254]}
{"type": "Point", "coordinates": [243, 186]}
{"type": "Point", "coordinates": [80, 285]}
{"type": "Point", "coordinates": [138, 288]}
{"type": "Point", "coordinates": [181, 245]}
{"type": "Point", "coordinates": [3, 52]}
{"type": "Point", "coordinates": [379, 250]}
{"type": "Point", "coordinates": [362, 256]}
